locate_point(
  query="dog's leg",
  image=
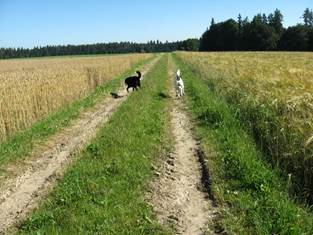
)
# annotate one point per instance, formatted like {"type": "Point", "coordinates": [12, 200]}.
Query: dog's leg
{"type": "Point", "coordinates": [179, 92]}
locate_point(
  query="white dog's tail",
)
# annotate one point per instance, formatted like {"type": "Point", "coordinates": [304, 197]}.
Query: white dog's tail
{"type": "Point", "coordinates": [178, 73]}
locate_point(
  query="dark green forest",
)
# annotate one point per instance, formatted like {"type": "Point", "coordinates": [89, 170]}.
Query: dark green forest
{"type": "Point", "coordinates": [262, 33]}
{"type": "Point", "coordinates": [98, 48]}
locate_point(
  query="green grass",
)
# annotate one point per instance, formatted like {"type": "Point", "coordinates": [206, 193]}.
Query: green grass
{"type": "Point", "coordinates": [103, 192]}
{"type": "Point", "coordinates": [20, 145]}
{"type": "Point", "coordinates": [251, 196]}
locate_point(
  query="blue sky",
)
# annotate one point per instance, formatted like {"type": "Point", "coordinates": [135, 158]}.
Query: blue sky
{"type": "Point", "coordinates": [29, 23]}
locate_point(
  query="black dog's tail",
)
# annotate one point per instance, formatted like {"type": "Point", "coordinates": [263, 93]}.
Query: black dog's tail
{"type": "Point", "coordinates": [139, 74]}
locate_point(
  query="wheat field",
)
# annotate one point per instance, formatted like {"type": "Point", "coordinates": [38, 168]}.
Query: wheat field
{"type": "Point", "coordinates": [31, 89]}
{"type": "Point", "coordinates": [272, 94]}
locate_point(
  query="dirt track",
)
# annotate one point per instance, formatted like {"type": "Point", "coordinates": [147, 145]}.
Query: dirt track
{"type": "Point", "coordinates": [21, 193]}
{"type": "Point", "coordinates": [178, 196]}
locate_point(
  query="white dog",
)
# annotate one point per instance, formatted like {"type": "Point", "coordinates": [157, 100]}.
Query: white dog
{"type": "Point", "coordinates": [179, 85]}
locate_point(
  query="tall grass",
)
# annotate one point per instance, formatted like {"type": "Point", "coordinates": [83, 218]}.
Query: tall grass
{"type": "Point", "coordinates": [31, 89]}
{"type": "Point", "coordinates": [272, 95]}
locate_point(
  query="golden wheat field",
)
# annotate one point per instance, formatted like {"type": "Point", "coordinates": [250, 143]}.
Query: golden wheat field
{"type": "Point", "coordinates": [272, 94]}
{"type": "Point", "coordinates": [31, 89]}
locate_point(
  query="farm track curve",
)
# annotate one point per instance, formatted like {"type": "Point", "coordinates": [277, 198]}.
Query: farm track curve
{"type": "Point", "coordinates": [22, 192]}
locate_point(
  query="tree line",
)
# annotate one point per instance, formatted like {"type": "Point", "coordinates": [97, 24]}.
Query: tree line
{"type": "Point", "coordinates": [100, 48]}
{"type": "Point", "coordinates": [262, 33]}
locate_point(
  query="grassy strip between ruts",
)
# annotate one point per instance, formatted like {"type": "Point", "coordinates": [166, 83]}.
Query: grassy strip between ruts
{"type": "Point", "coordinates": [21, 145]}
{"type": "Point", "coordinates": [103, 192]}
{"type": "Point", "coordinates": [251, 196]}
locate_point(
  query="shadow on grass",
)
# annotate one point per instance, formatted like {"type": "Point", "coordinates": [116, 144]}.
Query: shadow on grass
{"type": "Point", "coordinates": [162, 95]}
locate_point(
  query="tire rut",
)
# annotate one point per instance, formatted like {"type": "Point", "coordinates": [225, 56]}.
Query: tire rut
{"type": "Point", "coordinates": [179, 198]}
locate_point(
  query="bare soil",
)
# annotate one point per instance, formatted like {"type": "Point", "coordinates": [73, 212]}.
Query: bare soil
{"type": "Point", "coordinates": [27, 186]}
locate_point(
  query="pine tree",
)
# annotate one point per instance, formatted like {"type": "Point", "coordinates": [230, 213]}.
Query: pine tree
{"type": "Point", "coordinates": [276, 21]}
{"type": "Point", "coordinates": [264, 19]}
{"type": "Point", "coordinates": [239, 20]}
{"type": "Point", "coordinates": [308, 17]}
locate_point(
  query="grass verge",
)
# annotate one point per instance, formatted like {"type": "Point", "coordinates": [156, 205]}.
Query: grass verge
{"type": "Point", "coordinates": [103, 192]}
{"type": "Point", "coordinates": [252, 198]}
{"type": "Point", "coordinates": [272, 103]}
{"type": "Point", "coordinates": [19, 146]}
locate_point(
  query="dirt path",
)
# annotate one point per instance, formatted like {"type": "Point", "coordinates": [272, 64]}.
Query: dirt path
{"type": "Point", "coordinates": [21, 193]}
{"type": "Point", "coordinates": [178, 196]}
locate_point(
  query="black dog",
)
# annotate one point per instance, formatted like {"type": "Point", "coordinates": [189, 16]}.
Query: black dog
{"type": "Point", "coordinates": [133, 81]}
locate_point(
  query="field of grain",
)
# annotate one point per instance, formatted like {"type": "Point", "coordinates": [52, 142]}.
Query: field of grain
{"type": "Point", "coordinates": [31, 89]}
{"type": "Point", "coordinates": [272, 95]}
